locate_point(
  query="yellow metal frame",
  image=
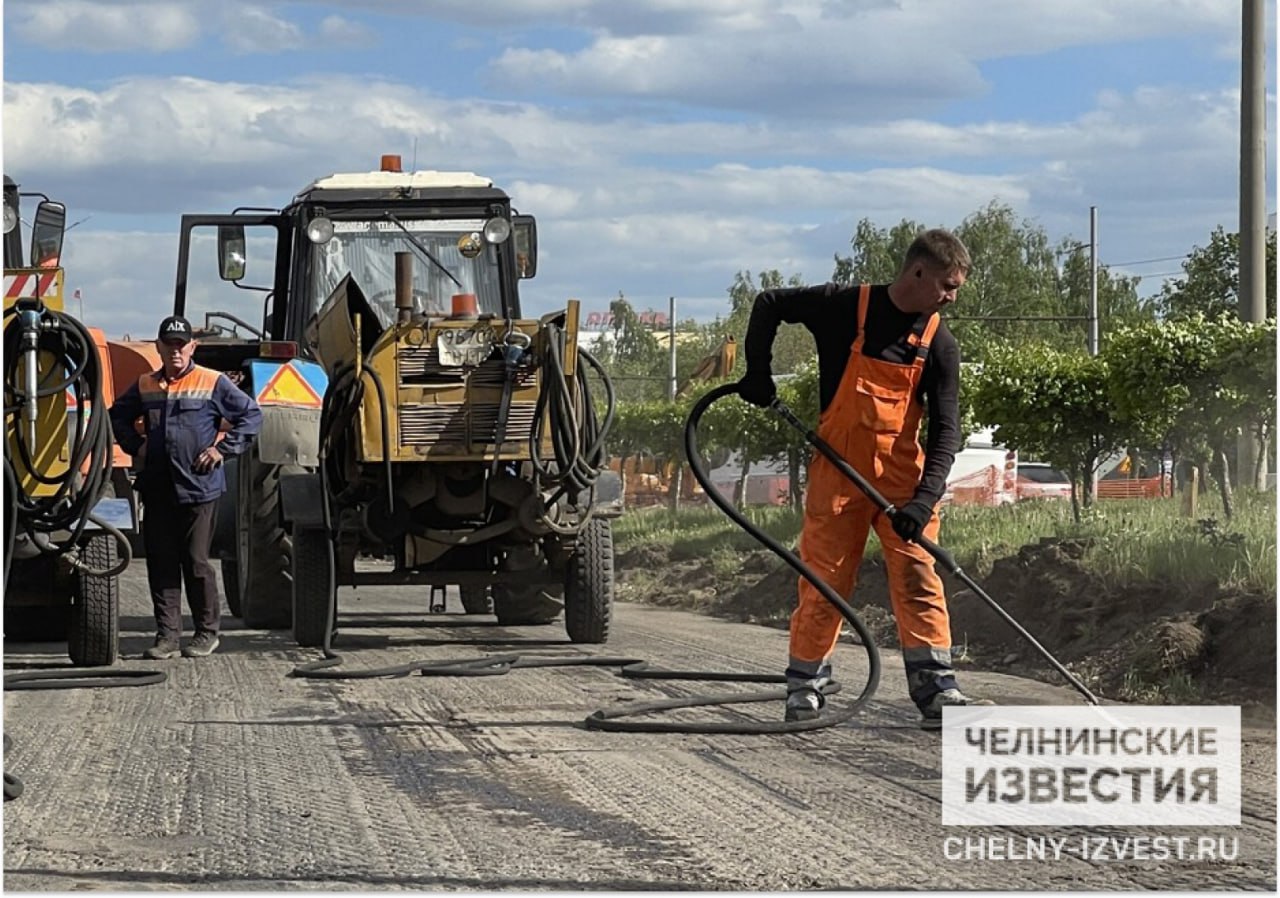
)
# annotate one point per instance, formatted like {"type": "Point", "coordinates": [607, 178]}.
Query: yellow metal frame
{"type": "Point", "coordinates": [52, 453]}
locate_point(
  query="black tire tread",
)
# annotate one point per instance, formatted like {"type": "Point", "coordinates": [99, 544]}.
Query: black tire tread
{"type": "Point", "coordinates": [311, 587]}
{"type": "Point", "coordinates": [94, 635]}
{"type": "Point", "coordinates": [264, 585]}
{"type": "Point", "coordinates": [588, 589]}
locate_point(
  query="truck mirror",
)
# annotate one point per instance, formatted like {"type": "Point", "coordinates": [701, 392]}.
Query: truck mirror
{"type": "Point", "coordinates": [524, 231]}
{"type": "Point", "coordinates": [47, 230]}
{"type": "Point", "coordinates": [231, 252]}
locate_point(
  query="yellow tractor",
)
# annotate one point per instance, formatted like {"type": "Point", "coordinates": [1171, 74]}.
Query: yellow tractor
{"type": "Point", "coordinates": [443, 438]}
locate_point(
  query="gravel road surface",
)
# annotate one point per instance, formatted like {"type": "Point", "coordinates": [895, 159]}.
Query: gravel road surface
{"type": "Point", "coordinates": [233, 775]}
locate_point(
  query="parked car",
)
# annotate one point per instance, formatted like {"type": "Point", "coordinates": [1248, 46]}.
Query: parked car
{"type": "Point", "coordinates": [1037, 480]}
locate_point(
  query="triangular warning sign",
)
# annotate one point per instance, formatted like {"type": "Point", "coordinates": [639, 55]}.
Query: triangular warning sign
{"type": "Point", "coordinates": [288, 387]}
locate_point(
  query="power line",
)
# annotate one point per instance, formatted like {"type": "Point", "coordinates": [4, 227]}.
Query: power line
{"type": "Point", "coordinates": [1145, 261]}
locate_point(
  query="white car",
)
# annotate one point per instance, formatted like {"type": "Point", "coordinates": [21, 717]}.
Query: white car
{"type": "Point", "coordinates": [1037, 480]}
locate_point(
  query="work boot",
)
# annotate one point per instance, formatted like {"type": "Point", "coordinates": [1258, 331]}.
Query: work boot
{"type": "Point", "coordinates": [804, 704]}
{"type": "Point", "coordinates": [931, 713]}
{"type": "Point", "coordinates": [202, 645]}
{"type": "Point", "coordinates": [166, 647]}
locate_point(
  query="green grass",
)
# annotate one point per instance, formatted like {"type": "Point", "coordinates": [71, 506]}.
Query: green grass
{"type": "Point", "coordinates": [1131, 541]}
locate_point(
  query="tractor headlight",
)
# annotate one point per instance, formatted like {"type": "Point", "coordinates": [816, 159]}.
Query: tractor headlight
{"type": "Point", "coordinates": [320, 231]}
{"type": "Point", "coordinates": [497, 230]}
{"type": "Point", "coordinates": [10, 218]}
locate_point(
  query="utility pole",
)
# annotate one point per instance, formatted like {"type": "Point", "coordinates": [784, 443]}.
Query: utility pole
{"type": "Point", "coordinates": [1253, 176]}
{"type": "Point", "coordinates": [671, 336]}
{"type": "Point", "coordinates": [1093, 280]}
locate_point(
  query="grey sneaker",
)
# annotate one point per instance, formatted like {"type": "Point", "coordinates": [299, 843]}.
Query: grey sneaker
{"type": "Point", "coordinates": [804, 704]}
{"type": "Point", "coordinates": [931, 718]}
{"type": "Point", "coordinates": [166, 647]}
{"type": "Point", "coordinates": [203, 644]}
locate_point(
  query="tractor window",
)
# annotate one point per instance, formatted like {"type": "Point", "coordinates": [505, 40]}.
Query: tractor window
{"type": "Point", "coordinates": [368, 251]}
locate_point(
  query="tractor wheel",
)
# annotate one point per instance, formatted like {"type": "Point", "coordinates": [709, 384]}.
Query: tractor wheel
{"type": "Point", "coordinates": [94, 634]}
{"type": "Point", "coordinates": [312, 587]}
{"type": "Point", "coordinates": [231, 585]}
{"type": "Point", "coordinates": [475, 599]}
{"type": "Point", "coordinates": [262, 547]}
{"type": "Point", "coordinates": [588, 586]}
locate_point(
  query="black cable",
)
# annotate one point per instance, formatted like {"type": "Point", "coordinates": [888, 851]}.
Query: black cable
{"type": "Point", "coordinates": [577, 435]}
{"type": "Point", "coordinates": [77, 490]}
{"type": "Point", "coordinates": [613, 720]}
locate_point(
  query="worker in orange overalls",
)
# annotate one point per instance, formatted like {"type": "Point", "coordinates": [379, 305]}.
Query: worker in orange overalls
{"type": "Point", "coordinates": [884, 357]}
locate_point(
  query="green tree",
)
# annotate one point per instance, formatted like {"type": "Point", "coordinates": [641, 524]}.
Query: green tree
{"type": "Point", "coordinates": [638, 364]}
{"type": "Point", "coordinates": [1015, 283]}
{"type": "Point", "coordinates": [792, 347]}
{"type": "Point", "coordinates": [1054, 405]}
{"type": "Point", "coordinates": [1191, 385]}
{"type": "Point", "coordinates": [1210, 285]}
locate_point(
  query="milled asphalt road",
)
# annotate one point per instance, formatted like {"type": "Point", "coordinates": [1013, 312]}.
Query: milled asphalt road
{"type": "Point", "coordinates": [232, 775]}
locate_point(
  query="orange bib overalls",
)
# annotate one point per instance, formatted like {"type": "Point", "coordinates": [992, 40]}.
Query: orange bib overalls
{"type": "Point", "coordinates": [873, 421]}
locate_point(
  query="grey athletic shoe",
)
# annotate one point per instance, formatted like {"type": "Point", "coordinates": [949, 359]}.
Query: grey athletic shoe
{"type": "Point", "coordinates": [203, 644]}
{"type": "Point", "coordinates": [931, 714]}
{"type": "Point", "coordinates": [166, 647]}
{"type": "Point", "coordinates": [804, 704]}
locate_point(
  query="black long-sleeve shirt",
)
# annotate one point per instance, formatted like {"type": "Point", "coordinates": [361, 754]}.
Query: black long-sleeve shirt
{"type": "Point", "coordinates": [830, 313]}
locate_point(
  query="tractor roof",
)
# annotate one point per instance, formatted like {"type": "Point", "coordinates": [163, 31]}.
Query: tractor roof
{"type": "Point", "coordinates": [400, 185]}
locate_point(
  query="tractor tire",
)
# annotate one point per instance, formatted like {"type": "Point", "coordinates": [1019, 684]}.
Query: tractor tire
{"type": "Point", "coordinates": [94, 634]}
{"type": "Point", "coordinates": [263, 547]}
{"type": "Point", "coordinates": [588, 586]}
{"type": "Point", "coordinates": [231, 585]}
{"type": "Point", "coordinates": [475, 599]}
{"type": "Point", "coordinates": [312, 588]}
{"type": "Point", "coordinates": [523, 606]}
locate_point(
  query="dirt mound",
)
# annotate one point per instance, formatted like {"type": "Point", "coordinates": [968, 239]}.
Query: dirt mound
{"type": "Point", "coordinates": [1156, 642]}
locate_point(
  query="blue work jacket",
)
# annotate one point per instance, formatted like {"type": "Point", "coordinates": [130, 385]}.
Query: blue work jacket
{"type": "Point", "coordinates": [181, 419]}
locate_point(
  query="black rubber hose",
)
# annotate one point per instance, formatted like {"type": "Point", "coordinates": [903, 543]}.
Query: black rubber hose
{"type": "Point", "coordinates": [69, 506]}
{"type": "Point", "coordinates": [577, 434]}
{"type": "Point", "coordinates": [941, 555]}
{"type": "Point", "coordinates": [619, 719]}
{"type": "Point", "coordinates": [846, 611]}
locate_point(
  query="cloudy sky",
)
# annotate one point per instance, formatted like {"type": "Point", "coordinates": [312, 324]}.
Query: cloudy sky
{"type": "Point", "coordinates": [663, 144]}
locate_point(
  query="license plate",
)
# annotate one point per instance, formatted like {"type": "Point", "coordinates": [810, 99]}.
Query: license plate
{"type": "Point", "coordinates": [464, 347]}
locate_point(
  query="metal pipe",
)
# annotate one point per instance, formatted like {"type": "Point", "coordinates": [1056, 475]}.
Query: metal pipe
{"type": "Point", "coordinates": [404, 287]}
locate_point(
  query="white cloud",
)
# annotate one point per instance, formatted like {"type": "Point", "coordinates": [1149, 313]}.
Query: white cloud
{"type": "Point", "coordinates": [339, 31]}
{"type": "Point", "coordinates": [105, 27]}
{"type": "Point", "coordinates": [252, 29]}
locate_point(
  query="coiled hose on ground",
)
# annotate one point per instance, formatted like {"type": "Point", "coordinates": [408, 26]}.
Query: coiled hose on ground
{"type": "Point", "coordinates": [622, 719]}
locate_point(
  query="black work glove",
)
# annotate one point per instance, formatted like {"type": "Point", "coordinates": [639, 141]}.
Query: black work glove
{"type": "Point", "coordinates": [758, 388]}
{"type": "Point", "coordinates": [909, 520]}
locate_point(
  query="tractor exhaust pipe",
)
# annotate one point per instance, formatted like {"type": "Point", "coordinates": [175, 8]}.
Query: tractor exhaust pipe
{"type": "Point", "coordinates": [404, 287]}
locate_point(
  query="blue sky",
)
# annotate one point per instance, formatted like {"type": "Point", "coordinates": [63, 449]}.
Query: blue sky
{"type": "Point", "coordinates": [663, 144]}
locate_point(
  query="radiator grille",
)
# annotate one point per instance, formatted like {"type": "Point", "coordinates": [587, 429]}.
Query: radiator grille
{"type": "Point", "coordinates": [421, 365]}
{"type": "Point", "coordinates": [428, 425]}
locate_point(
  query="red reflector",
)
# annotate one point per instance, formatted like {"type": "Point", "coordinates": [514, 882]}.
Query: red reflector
{"type": "Point", "coordinates": [278, 349]}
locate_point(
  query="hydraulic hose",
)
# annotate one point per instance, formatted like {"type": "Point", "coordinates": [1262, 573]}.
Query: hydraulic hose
{"type": "Point", "coordinates": [33, 331]}
{"type": "Point", "coordinates": [941, 555]}
{"type": "Point", "coordinates": [577, 433]}
{"type": "Point", "coordinates": [846, 611]}
{"type": "Point", "coordinates": [575, 426]}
